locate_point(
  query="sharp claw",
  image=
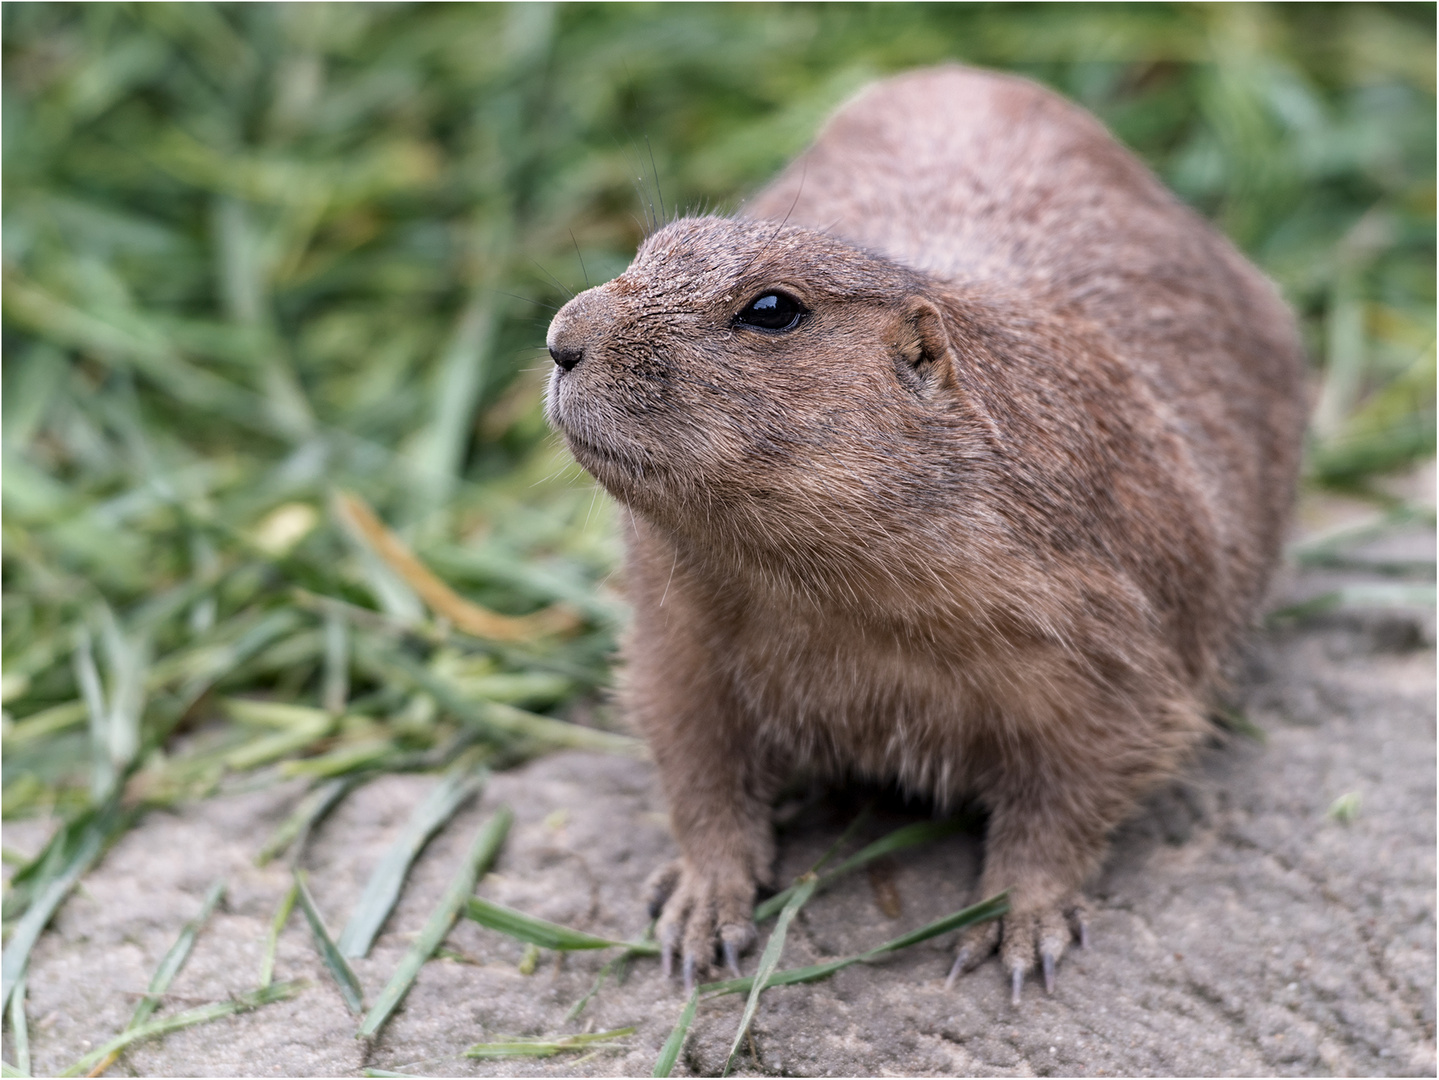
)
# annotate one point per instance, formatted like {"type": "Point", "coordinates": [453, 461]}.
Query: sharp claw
{"type": "Point", "coordinates": [1016, 980]}
{"type": "Point", "coordinates": [689, 970]}
{"type": "Point", "coordinates": [1047, 959]}
{"type": "Point", "coordinates": [731, 958]}
{"type": "Point", "coordinates": [668, 941]}
{"type": "Point", "coordinates": [1084, 935]}
{"type": "Point", "coordinates": [958, 968]}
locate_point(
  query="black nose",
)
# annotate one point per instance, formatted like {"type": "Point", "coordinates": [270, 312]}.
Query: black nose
{"type": "Point", "coordinates": [567, 358]}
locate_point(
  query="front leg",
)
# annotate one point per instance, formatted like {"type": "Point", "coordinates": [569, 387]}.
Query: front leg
{"type": "Point", "coordinates": [718, 782]}
{"type": "Point", "coordinates": [1053, 792]}
{"type": "Point", "coordinates": [719, 810]}
{"type": "Point", "coordinates": [1040, 847]}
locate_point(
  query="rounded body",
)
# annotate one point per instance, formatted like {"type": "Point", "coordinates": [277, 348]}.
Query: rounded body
{"type": "Point", "coordinates": [984, 518]}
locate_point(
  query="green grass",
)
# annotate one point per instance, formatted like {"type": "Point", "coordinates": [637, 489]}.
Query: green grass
{"type": "Point", "coordinates": [260, 258]}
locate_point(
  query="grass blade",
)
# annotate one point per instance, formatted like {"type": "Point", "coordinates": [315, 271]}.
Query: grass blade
{"type": "Point", "coordinates": [20, 1029]}
{"type": "Point", "coordinates": [985, 910]}
{"type": "Point", "coordinates": [483, 850]}
{"type": "Point", "coordinates": [438, 459]}
{"type": "Point", "coordinates": [350, 988]}
{"type": "Point", "coordinates": [202, 1015]}
{"type": "Point", "coordinates": [307, 726]}
{"type": "Point", "coordinates": [310, 811]}
{"type": "Point", "coordinates": [46, 722]}
{"type": "Point", "coordinates": [1385, 594]}
{"type": "Point", "coordinates": [542, 1047]}
{"type": "Point", "coordinates": [88, 676]}
{"type": "Point", "coordinates": [670, 1052]}
{"type": "Point", "coordinates": [769, 960]}
{"type": "Point", "coordinates": [48, 896]}
{"type": "Point", "coordinates": [504, 721]}
{"type": "Point", "coordinates": [844, 837]}
{"type": "Point", "coordinates": [277, 924]}
{"type": "Point", "coordinates": [908, 836]}
{"type": "Point", "coordinates": [175, 959]}
{"type": "Point", "coordinates": [383, 888]}
{"type": "Point", "coordinates": [545, 934]}
{"type": "Point", "coordinates": [170, 966]}
{"type": "Point", "coordinates": [337, 663]}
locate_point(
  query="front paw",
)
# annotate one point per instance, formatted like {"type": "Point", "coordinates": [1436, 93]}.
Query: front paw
{"type": "Point", "coordinates": [703, 911]}
{"type": "Point", "coordinates": [1029, 933]}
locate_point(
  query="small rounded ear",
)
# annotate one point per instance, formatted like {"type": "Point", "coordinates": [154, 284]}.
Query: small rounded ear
{"type": "Point", "coordinates": [927, 361]}
{"type": "Point", "coordinates": [932, 353]}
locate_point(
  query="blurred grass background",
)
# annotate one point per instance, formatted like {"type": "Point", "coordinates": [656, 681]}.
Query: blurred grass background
{"type": "Point", "coordinates": [259, 255]}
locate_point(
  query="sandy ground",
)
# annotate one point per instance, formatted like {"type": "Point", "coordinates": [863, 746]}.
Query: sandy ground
{"type": "Point", "coordinates": [1238, 926]}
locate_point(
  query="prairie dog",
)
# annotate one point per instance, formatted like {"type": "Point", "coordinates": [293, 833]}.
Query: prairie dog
{"type": "Point", "coordinates": [959, 459]}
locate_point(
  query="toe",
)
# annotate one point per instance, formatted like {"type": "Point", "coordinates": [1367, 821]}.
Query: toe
{"type": "Point", "coordinates": [669, 946]}
{"type": "Point", "coordinates": [1019, 947]}
{"type": "Point", "coordinates": [975, 946]}
{"type": "Point", "coordinates": [1054, 938]}
{"type": "Point", "coordinates": [700, 915]}
{"type": "Point", "coordinates": [735, 938]}
{"type": "Point", "coordinates": [1078, 915]}
{"type": "Point", "coordinates": [661, 886]}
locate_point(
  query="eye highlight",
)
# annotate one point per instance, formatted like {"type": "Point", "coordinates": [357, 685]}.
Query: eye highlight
{"type": "Point", "coordinates": [776, 311]}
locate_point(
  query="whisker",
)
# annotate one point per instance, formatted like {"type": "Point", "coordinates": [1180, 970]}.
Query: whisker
{"type": "Point", "coordinates": [583, 271]}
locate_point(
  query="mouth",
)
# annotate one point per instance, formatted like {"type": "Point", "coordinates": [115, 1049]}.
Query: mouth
{"type": "Point", "coordinates": [606, 462]}
{"type": "Point", "coordinates": [613, 459]}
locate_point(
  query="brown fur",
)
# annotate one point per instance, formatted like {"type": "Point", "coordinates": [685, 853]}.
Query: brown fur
{"type": "Point", "coordinates": [985, 523]}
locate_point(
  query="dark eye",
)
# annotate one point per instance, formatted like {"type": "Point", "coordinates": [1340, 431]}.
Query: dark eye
{"type": "Point", "coordinates": [772, 311]}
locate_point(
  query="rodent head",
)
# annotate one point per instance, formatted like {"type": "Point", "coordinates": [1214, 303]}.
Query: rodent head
{"type": "Point", "coordinates": [769, 382]}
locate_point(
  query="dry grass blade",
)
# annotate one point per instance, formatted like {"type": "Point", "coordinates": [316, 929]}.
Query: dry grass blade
{"type": "Point", "coordinates": [483, 850]}
{"type": "Point", "coordinates": [545, 934]}
{"type": "Point", "coordinates": [383, 888]}
{"type": "Point", "coordinates": [442, 600]}
{"type": "Point", "coordinates": [769, 960]}
{"type": "Point", "coordinates": [670, 1052]}
{"type": "Point", "coordinates": [340, 971]}
{"type": "Point", "coordinates": [908, 836]}
{"type": "Point", "coordinates": [277, 925]}
{"type": "Point", "coordinates": [542, 1047]}
{"type": "Point", "coordinates": [202, 1015]}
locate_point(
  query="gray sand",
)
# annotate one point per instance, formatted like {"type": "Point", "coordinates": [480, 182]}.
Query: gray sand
{"type": "Point", "coordinates": [1238, 927]}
